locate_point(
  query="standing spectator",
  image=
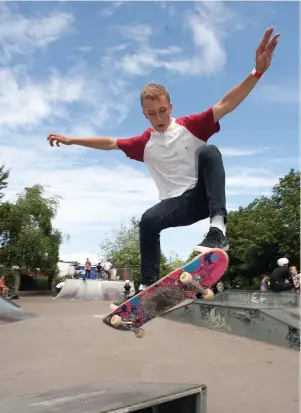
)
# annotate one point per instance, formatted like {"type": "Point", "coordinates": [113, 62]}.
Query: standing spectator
{"type": "Point", "coordinates": [87, 269]}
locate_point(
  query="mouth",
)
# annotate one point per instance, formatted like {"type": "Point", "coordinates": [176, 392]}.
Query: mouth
{"type": "Point", "coordinates": [160, 126]}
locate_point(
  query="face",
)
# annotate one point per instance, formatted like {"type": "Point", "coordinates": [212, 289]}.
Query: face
{"type": "Point", "coordinates": [158, 112]}
{"type": "Point", "coordinates": [293, 271]}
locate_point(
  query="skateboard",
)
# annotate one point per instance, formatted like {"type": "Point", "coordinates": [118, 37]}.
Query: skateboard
{"type": "Point", "coordinates": [197, 276]}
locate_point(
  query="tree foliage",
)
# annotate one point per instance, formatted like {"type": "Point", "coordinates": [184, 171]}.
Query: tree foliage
{"type": "Point", "coordinates": [27, 237]}
{"type": "Point", "coordinates": [123, 248]}
{"type": "Point", "coordinates": [4, 175]}
{"type": "Point", "coordinates": [265, 230]}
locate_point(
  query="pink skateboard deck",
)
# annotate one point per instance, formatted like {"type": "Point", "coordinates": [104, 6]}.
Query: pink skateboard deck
{"type": "Point", "coordinates": [182, 284]}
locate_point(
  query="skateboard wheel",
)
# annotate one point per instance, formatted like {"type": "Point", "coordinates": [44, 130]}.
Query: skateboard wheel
{"type": "Point", "coordinates": [186, 278]}
{"type": "Point", "coordinates": [116, 320]}
{"type": "Point", "coordinates": [209, 295]}
{"type": "Point", "coordinates": [140, 333]}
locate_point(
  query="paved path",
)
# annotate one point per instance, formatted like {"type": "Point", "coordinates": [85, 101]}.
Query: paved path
{"type": "Point", "coordinates": [67, 345]}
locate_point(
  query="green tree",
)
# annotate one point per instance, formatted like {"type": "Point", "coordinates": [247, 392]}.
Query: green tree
{"type": "Point", "coordinates": [28, 238]}
{"type": "Point", "coordinates": [286, 201]}
{"type": "Point", "coordinates": [4, 175]}
{"type": "Point", "coordinates": [123, 248]}
{"type": "Point", "coordinates": [265, 230]}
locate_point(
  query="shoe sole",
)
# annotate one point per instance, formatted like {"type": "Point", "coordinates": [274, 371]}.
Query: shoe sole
{"type": "Point", "coordinates": [207, 249]}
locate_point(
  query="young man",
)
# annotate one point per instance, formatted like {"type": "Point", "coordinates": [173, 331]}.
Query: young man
{"type": "Point", "coordinates": [189, 175]}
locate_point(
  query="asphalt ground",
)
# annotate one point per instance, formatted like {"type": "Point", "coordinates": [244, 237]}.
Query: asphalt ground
{"type": "Point", "coordinates": [68, 345]}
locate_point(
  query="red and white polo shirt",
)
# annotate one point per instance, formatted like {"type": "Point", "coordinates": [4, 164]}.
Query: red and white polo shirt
{"type": "Point", "coordinates": [171, 156]}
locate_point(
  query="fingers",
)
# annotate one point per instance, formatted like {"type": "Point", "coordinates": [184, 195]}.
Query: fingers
{"type": "Point", "coordinates": [53, 138]}
{"type": "Point", "coordinates": [266, 37]}
{"type": "Point", "coordinates": [273, 43]}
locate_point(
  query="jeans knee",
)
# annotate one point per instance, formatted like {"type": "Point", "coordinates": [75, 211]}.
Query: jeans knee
{"type": "Point", "coordinates": [210, 153]}
{"type": "Point", "coordinates": [149, 222]}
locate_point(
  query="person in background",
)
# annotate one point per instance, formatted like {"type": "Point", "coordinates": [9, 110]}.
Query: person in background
{"type": "Point", "coordinates": [263, 283]}
{"type": "Point", "coordinates": [87, 269]}
{"type": "Point", "coordinates": [127, 288]}
{"type": "Point", "coordinates": [3, 287]}
{"type": "Point", "coordinates": [295, 277]}
{"type": "Point", "coordinates": [98, 271]}
{"type": "Point", "coordinates": [280, 278]}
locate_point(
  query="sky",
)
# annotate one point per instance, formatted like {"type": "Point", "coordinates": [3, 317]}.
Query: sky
{"type": "Point", "coordinates": [78, 68]}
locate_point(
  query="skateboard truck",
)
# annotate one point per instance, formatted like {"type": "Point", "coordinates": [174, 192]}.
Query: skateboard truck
{"type": "Point", "coordinates": [116, 321]}
{"type": "Point", "coordinates": [187, 279]}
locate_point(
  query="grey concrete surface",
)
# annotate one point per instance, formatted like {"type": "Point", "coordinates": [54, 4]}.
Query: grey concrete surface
{"type": "Point", "coordinates": [10, 312]}
{"type": "Point", "coordinates": [273, 325]}
{"type": "Point", "coordinates": [68, 345]}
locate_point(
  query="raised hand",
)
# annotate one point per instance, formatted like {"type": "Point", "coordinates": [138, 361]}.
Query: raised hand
{"type": "Point", "coordinates": [58, 139]}
{"type": "Point", "coordinates": [264, 51]}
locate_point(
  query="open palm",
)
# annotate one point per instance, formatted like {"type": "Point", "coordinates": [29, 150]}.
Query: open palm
{"type": "Point", "coordinates": [264, 51]}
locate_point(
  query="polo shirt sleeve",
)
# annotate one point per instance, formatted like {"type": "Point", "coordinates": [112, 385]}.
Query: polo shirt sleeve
{"type": "Point", "coordinates": [201, 125]}
{"type": "Point", "coordinates": [134, 147]}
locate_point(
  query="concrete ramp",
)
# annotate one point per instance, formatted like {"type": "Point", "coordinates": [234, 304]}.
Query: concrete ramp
{"type": "Point", "coordinates": [92, 290]}
{"type": "Point", "coordinates": [11, 312]}
{"type": "Point", "coordinates": [272, 318]}
{"type": "Point", "coordinates": [113, 397]}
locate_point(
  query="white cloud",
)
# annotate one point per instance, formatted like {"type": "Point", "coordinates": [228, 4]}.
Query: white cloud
{"type": "Point", "coordinates": [231, 152]}
{"type": "Point", "coordinates": [27, 102]}
{"type": "Point", "coordinates": [208, 26]}
{"type": "Point", "coordinates": [92, 196]}
{"type": "Point", "coordinates": [250, 180]}
{"type": "Point", "coordinates": [84, 49]}
{"type": "Point", "coordinates": [279, 94]}
{"type": "Point", "coordinates": [20, 35]}
{"type": "Point", "coordinates": [168, 6]}
{"type": "Point", "coordinates": [110, 10]}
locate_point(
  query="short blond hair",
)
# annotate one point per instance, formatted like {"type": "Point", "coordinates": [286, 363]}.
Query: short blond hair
{"type": "Point", "coordinates": [153, 91]}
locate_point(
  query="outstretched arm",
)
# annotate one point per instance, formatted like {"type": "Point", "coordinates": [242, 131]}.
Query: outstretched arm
{"type": "Point", "coordinates": [235, 96]}
{"type": "Point", "coordinates": [103, 143]}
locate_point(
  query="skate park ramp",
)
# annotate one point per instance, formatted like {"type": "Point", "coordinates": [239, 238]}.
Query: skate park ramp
{"type": "Point", "coordinates": [270, 317]}
{"type": "Point", "coordinates": [92, 290]}
{"type": "Point", "coordinates": [112, 397]}
{"type": "Point", "coordinates": [11, 312]}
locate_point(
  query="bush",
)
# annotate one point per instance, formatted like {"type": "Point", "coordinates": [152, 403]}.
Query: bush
{"type": "Point", "coordinates": [41, 284]}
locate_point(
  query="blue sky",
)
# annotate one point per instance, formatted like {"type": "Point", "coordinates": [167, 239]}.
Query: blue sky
{"type": "Point", "coordinates": [78, 68]}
